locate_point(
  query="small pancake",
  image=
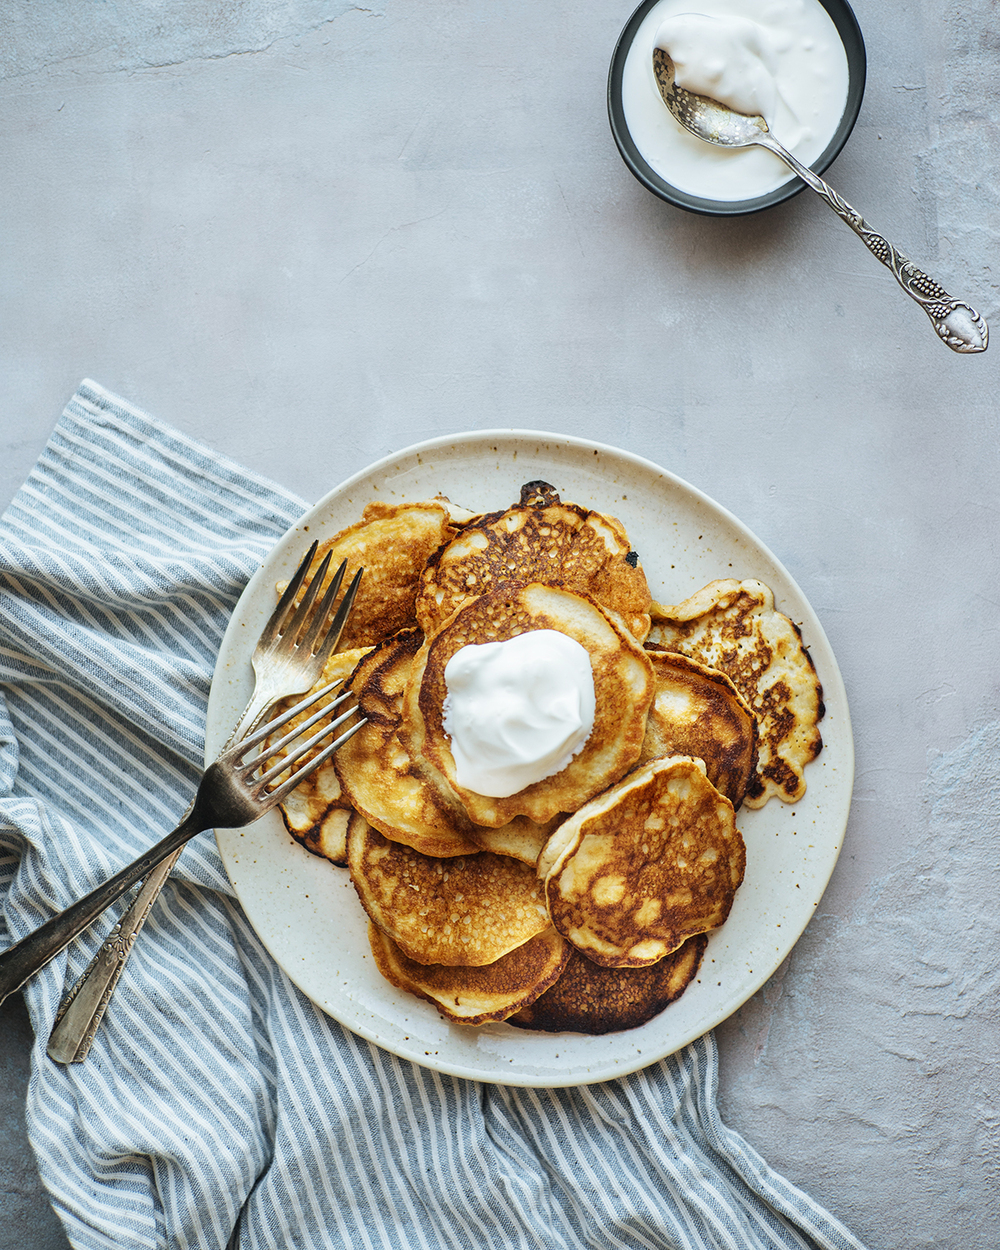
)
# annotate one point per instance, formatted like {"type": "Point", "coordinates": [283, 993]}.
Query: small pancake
{"type": "Point", "coordinates": [590, 999]}
{"type": "Point", "coordinates": [393, 543]}
{"type": "Point", "coordinates": [316, 812]}
{"type": "Point", "coordinates": [325, 836]}
{"type": "Point", "coordinates": [464, 912]}
{"type": "Point", "coordinates": [698, 711]}
{"type": "Point", "coordinates": [623, 685]}
{"type": "Point", "coordinates": [734, 626]}
{"type": "Point", "coordinates": [476, 995]}
{"type": "Point", "coordinates": [539, 540]}
{"type": "Point", "coordinates": [646, 865]}
{"type": "Point", "coordinates": [377, 775]}
{"type": "Point", "coordinates": [520, 838]}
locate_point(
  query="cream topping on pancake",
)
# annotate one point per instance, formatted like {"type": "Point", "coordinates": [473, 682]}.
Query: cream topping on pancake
{"type": "Point", "coordinates": [517, 711]}
{"type": "Point", "coordinates": [623, 683]}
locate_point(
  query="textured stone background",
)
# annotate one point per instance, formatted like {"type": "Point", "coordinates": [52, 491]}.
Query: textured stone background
{"type": "Point", "coordinates": [311, 233]}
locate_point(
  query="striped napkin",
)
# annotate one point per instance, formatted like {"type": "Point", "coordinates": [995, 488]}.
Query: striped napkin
{"type": "Point", "coordinates": [218, 1106]}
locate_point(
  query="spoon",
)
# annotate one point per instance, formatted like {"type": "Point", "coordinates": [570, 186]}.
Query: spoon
{"type": "Point", "coordinates": [957, 324]}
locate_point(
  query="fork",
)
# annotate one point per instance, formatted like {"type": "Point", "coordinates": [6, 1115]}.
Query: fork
{"type": "Point", "coordinates": [284, 663]}
{"type": "Point", "coordinates": [233, 792]}
{"type": "Point", "coordinates": [287, 661]}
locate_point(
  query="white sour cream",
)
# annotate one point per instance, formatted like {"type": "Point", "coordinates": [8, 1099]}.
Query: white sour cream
{"type": "Point", "coordinates": [517, 711]}
{"type": "Point", "coordinates": [728, 58]}
{"type": "Point", "coordinates": [780, 58]}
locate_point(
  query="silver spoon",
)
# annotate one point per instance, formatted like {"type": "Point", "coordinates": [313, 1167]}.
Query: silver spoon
{"type": "Point", "coordinates": [957, 324]}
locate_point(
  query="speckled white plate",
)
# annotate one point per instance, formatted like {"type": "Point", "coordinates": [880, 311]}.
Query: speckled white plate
{"type": "Point", "coordinates": [305, 910]}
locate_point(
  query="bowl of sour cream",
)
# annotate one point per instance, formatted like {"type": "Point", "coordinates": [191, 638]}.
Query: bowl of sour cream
{"type": "Point", "coordinates": [799, 63]}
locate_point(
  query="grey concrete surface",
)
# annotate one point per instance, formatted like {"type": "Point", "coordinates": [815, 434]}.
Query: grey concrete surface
{"type": "Point", "coordinates": [26, 1219]}
{"type": "Point", "coordinates": [312, 233]}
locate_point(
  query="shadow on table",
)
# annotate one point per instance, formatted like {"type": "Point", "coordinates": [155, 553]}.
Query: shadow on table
{"type": "Point", "coordinates": [27, 1221]}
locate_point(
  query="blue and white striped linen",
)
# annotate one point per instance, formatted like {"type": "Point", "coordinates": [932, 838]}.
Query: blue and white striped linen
{"type": "Point", "coordinates": [218, 1105]}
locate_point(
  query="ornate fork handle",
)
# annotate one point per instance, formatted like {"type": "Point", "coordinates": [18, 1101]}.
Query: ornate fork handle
{"type": "Point", "coordinates": [956, 322]}
{"type": "Point", "coordinates": [82, 1010]}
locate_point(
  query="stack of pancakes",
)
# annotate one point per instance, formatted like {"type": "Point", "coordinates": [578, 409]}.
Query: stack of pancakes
{"type": "Point", "coordinates": [583, 902]}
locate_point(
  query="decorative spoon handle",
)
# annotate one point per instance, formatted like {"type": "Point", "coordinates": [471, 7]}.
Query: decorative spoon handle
{"type": "Point", "coordinates": [957, 324]}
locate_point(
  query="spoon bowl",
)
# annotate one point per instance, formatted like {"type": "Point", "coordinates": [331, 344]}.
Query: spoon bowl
{"type": "Point", "coordinates": [704, 117]}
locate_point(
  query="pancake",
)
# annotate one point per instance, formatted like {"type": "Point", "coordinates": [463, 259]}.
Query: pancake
{"type": "Point", "coordinates": [650, 863]}
{"type": "Point", "coordinates": [543, 540]}
{"type": "Point", "coordinates": [623, 684]}
{"type": "Point", "coordinates": [476, 995]}
{"type": "Point", "coordinates": [590, 999]}
{"type": "Point", "coordinates": [316, 812]}
{"type": "Point", "coordinates": [698, 711]}
{"type": "Point", "coordinates": [464, 912]}
{"type": "Point", "coordinates": [734, 626]}
{"type": "Point", "coordinates": [393, 543]}
{"type": "Point", "coordinates": [376, 773]}
{"type": "Point", "coordinates": [520, 838]}
{"type": "Point", "coordinates": [326, 834]}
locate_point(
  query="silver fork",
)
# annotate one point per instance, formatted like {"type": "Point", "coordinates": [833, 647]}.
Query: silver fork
{"type": "Point", "coordinates": [287, 661]}
{"type": "Point", "coordinates": [233, 792]}
{"type": "Point", "coordinates": [284, 663]}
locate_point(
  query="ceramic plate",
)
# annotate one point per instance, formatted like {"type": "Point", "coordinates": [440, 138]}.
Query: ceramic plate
{"type": "Point", "coordinates": [305, 910]}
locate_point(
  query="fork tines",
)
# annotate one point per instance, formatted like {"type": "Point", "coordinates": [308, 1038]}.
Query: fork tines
{"type": "Point", "coordinates": [246, 768]}
{"type": "Point", "coordinates": [319, 631]}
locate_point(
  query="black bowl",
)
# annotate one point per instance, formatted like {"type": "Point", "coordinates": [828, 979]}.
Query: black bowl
{"type": "Point", "coordinates": [849, 31]}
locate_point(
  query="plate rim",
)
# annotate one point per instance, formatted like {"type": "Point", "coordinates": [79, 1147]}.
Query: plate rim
{"type": "Point", "coordinates": [831, 678]}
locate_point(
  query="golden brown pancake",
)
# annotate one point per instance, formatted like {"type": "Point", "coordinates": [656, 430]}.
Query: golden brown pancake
{"type": "Point", "coordinates": [464, 912]}
{"type": "Point", "coordinates": [734, 626]}
{"type": "Point", "coordinates": [590, 999]}
{"type": "Point", "coordinates": [393, 543]}
{"type": "Point", "coordinates": [698, 711]}
{"type": "Point", "coordinates": [378, 777]}
{"type": "Point", "coordinates": [538, 540]}
{"type": "Point", "coordinates": [316, 812]}
{"type": "Point", "coordinates": [520, 838]}
{"type": "Point", "coordinates": [325, 836]}
{"type": "Point", "coordinates": [476, 995]}
{"type": "Point", "coordinates": [623, 684]}
{"type": "Point", "coordinates": [646, 865]}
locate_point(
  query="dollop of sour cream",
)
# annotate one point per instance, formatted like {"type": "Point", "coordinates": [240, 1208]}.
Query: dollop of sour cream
{"type": "Point", "coordinates": [782, 59]}
{"type": "Point", "coordinates": [729, 59]}
{"type": "Point", "coordinates": [517, 711]}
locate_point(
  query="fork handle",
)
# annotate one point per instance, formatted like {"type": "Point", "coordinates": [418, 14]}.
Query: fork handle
{"type": "Point", "coordinates": [82, 1010]}
{"type": "Point", "coordinates": [261, 699]}
{"type": "Point", "coordinates": [957, 324]}
{"type": "Point", "coordinates": [33, 952]}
